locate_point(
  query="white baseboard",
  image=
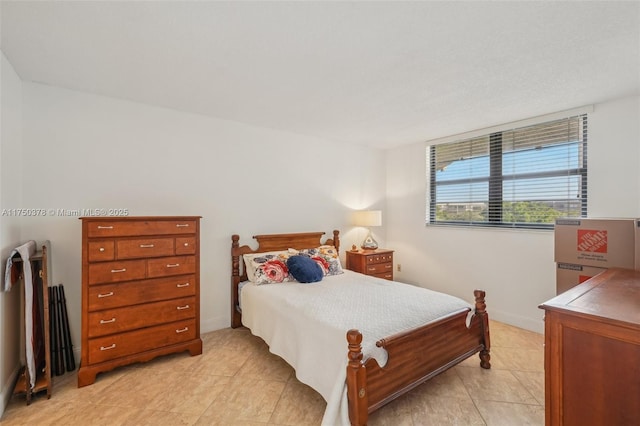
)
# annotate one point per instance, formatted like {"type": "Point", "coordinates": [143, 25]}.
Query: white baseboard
{"type": "Point", "coordinates": [212, 324]}
{"type": "Point", "coordinates": [518, 321]}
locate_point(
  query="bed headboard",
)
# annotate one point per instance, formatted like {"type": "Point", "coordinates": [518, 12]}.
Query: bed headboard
{"type": "Point", "coordinates": [269, 242]}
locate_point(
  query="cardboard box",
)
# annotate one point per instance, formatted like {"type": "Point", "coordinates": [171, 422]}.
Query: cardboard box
{"type": "Point", "coordinates": [568, 275]}
{"type": "Point", "coordinates": [601, 243]}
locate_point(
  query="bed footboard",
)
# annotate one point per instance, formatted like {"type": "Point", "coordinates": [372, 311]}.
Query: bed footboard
{"type": "Point", "coordinates": [414, 356]}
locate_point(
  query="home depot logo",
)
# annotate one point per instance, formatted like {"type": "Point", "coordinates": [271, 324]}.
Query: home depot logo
{"type": "Point", "coordinates": [592, 241]}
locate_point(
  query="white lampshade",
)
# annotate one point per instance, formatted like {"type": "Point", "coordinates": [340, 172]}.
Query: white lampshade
{"type": "Point", "coordinates": [367, 218]}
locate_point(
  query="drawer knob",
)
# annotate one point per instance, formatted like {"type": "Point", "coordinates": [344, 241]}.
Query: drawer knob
{"type": "Point", "coordinates": [105, 295]}
{"type": "Point", "coordinates": [106, 348]}
{"type": "Point", "coordinates": [182, 285]}
{"type": "Point", "coordinates": [108, 321]}
{"type": "Point", "coordinates": [146, 245]}
{"type": "Point", "coordinates": [172, 265]}
{"type": "Point", "coordinates": [118, 270]}
{"type": "Point", "coordinates": [182, 330]}
{"type": "Point", "coordinates": [181, 308]}
{"type": "Point", "coordinates": [371, 269]}
{"type": "Point", "coordinates": [182, 225]}
{"type": "Point", "coordinates": [186, 244]}
{"type": "Point", "coordinates": [105, 227]}
{"type": "Point", "coordinates": [388, 266]}
{"type": "Point", "coordinates": [101, 249]}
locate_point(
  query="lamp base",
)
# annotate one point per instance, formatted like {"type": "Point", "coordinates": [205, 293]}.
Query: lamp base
{"type": "Point", "coordinates": [369, 243]}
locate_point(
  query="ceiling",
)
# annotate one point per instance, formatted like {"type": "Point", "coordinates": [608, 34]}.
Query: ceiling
{"type": "Point", "coordinates": [380, 74]}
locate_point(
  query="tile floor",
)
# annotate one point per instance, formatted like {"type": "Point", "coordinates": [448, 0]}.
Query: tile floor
{"type": "Point", "coordinates": [237, 381]}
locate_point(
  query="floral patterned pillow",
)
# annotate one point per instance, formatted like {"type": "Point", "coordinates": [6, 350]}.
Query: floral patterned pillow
{"type": "Point", "coordinates": [326, 256]}
{"type": "Point", "coordinates": [268, 268]}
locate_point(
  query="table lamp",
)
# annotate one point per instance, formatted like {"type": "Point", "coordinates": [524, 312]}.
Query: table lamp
{"type": "Point", "coordinates": [368, 218]}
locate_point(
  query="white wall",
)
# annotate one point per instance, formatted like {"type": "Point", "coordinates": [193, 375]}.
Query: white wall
{"type": "Point", "coordinates": [10, 197]}
{"type": "Point", "coordinates": [87, 151]}
{"type": "Point", "coordinates": [614, 154]}
{"type": "Point", "coordinates": [514, 267]}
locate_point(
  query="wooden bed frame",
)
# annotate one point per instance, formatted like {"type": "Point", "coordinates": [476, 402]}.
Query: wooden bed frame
{"type": "Point", "coordinates": [414, 356]}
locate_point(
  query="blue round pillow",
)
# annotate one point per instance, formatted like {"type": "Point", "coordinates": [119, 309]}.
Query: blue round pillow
{"type": "Point", "coordinates": [304, 269]}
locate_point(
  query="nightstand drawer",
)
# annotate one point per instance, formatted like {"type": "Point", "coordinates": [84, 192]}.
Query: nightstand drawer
{"type": "Point", "coordinates": [379, 268]}
{"type": "Point", "coordinates": [379, 258]}
{"type": "Point", "coordinates": [385, 275]}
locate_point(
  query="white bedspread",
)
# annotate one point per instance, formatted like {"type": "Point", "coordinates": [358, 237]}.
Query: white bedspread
{"type": "Point", "coordinates": [306, 325]}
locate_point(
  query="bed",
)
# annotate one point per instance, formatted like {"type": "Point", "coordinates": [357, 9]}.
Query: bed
{"type": "Point", "coordinates": [368, 373]}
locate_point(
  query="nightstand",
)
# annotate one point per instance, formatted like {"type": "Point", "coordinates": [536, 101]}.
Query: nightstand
{"type": "Point", "coordinates": [378, 263]}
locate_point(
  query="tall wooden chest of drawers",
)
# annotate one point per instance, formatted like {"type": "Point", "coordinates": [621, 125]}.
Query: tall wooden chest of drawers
{"type": "Point", "coordinates": [592, 352]}
{"type": "Point", "coordinates": [377, 262]}
{"type": "Point", "coordinates": [140, 290]}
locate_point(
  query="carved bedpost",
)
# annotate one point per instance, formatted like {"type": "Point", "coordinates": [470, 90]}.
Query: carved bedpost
{"type": "Point", "coordinates": [336, 240]}
{"type": "Point", "coordinates": [235, 264]}
{"type": "Point", "coordinates": [357, 381]}
{"type": "Point", "coordinates": [236, 318]}
{"type": "Point", "coordinates": [481, 307]}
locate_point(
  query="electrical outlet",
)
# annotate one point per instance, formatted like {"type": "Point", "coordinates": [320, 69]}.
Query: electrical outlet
{"type": "Point", "coordinates": [399, 267]}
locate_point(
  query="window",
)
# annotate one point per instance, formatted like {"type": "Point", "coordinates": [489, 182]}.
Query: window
{"type": "Point", "coordinates": [519, 178]}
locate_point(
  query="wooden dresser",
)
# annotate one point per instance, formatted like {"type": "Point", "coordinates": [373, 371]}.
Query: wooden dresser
{"type": "Point", "coordinates": [140, 290]}
{"type": "Point", "coordinates": [378, 262]}
{"type": "Point", "coordinates": [592, 352]}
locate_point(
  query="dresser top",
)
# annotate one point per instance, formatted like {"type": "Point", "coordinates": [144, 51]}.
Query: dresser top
{"type": "Point", "coordinates": [368, 252]}
{"type": "Point", "coordinates": [613, 294]}
{"type": "Point", "coordinates": [119, 218]}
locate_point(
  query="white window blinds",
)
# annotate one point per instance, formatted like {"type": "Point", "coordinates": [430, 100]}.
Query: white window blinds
{"type": "Point", "coordinates": [524, 177]}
